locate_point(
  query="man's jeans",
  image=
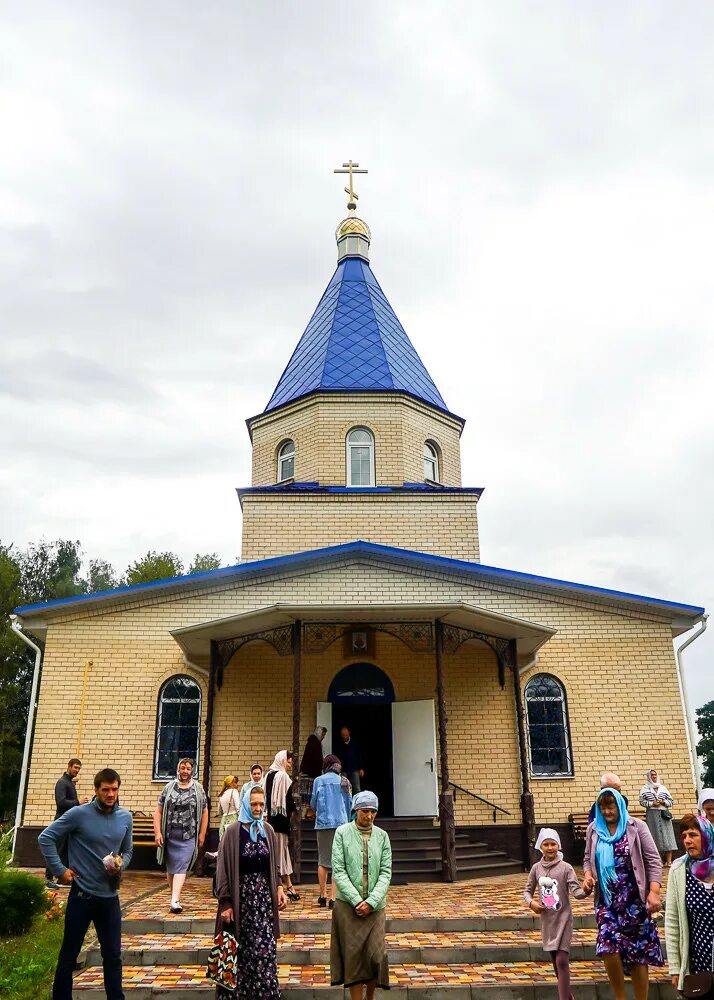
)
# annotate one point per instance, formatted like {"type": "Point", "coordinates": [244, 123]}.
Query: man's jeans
{"type": "Point", "coordinates": [105, 913]}
{"type": "Point", "coordinates": [354, 780]}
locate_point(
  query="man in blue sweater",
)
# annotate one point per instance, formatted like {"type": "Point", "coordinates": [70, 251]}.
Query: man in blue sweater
{"type": "Point", "coordinates": [99, 847]}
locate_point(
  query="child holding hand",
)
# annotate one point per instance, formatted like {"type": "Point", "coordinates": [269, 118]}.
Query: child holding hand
{"type": "Point", "coordinates": [555, 881]}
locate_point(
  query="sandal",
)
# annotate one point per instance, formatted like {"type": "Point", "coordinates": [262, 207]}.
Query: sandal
{"type": "Point", "coordinates": [292, 895]}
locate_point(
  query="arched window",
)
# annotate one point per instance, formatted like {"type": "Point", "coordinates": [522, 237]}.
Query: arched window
{"type": "Point", "coordinates": [431, 462]}
{"type": "Point", "coordinates": [286, 461]}
{"type": "Point", "coordinates": [177, 725]}
{"type": "Point", "coordinates": [360, 457]}
{"type": "Point", "coordinates": [548, 727]}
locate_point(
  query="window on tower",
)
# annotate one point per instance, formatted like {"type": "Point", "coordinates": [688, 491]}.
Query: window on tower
{"type": "Point", "coordinates": [178, 725]}
{"type": "Point", "coordinates": [431, 462]}
{"type": "Point", "coordinates": [286, 461]}
{"type": "Point", "coordinates": [548, 728]}
{"type": "Point", "coordinates": [360, 457]}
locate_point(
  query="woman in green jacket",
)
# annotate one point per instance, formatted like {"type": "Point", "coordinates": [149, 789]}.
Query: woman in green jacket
{"type": "Point", "coordinates": [362, 872]}
{"type": "Point", "coordinates": [689, 917]}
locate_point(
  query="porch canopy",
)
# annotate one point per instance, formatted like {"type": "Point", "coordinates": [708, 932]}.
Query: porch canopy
{"type": "Point", "coordinates": [440, 628]}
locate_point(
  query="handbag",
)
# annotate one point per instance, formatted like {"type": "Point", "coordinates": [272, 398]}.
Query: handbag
{"type": "Point", "coordinates": [222, 964]}
{"type": "Point", "coordinates": [699, 985]}
{"type": "Point", "coordinates": [666, 814]}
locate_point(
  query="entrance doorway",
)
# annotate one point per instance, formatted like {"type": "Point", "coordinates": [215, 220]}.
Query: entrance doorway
{"type": "Point", "coordinates": [361, 696]}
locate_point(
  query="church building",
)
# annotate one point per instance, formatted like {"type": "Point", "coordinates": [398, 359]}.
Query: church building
{"type": "Point", "coordinates": [483, 700]}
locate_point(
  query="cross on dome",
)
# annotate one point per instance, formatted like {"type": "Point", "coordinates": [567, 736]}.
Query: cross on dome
{"type": "Point", "coordinates": [352, 168]}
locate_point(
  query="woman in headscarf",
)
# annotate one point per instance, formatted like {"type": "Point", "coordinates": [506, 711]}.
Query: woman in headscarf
{"type": "Point", "coordinates": [280, 806]}
{"type": "Point", "coordinates": [658, 802]}
{"type": "Point", "coordinates": [180, 824]}
{"type": "Point", "coordinates": [689, 917]}
{"type": "Point", "coordinates": [310, 768]}
{"type": "Point", "coordinates": [228, 804]}
{"type": "Point", "coordinates": [249, 898]}
{"type": "Point", "coordinates": [622, 861]}
{"type": "Point", "coordinates": [256, 778]}
{"type": "Point", "coordinates": [706, 803]}
{"type": "Point", "coordinates": [331, 802]}
{"type": "Point", "coordinates": [362, 870]}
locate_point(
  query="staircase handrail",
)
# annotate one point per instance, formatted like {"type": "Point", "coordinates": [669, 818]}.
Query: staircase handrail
{"type": "Point", "coordinates": [487, 802]}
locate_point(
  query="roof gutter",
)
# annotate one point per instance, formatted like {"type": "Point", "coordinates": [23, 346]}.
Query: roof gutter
{"type": "Point", "coordinates": [688, 717]}
{"type": "Point", "coordinates": [16, 625]}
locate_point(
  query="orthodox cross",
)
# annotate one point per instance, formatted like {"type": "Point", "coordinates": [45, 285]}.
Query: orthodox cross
{"type": "Point", "coordinates": [351, 168]}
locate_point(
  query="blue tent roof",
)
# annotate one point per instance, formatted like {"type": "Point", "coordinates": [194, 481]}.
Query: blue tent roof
{"type": "Point", "coordinates": [354, 342]}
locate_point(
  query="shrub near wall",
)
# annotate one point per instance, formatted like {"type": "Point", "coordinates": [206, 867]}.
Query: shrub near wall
{"type": "Point", "coordinates": [22, 897]}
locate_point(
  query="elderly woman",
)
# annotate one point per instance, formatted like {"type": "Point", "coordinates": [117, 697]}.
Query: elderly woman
{"type": "Point", "coordinates": [689, 917]}
{"type": "Point", "coordinates": [310, 767]}
{"type": "Point", "coordinates": [249, 898]}
{"type": "Point", "coordinates": [658, 802]}
{"type": "Point", "coordinates": [180, 824]}
{"type": "Point", "coordinates": [362, 871]}
{"type": "Point", "coordinates": [331, 802]}
{"type": "Point", "coordinates": [280, 806]}
{"type": "Point", "coordinates": [706, 804]}
{"type": "Point", "coordinates": [622, 861]}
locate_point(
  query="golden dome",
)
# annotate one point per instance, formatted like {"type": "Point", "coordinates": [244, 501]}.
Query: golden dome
{"type": "Point", "coordinates": [352, 226]}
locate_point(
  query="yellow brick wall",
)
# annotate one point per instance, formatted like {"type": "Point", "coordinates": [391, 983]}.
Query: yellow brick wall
{"type": "Point", "coordinates": [319, 428]}
{"type": "Point", "coordinates": [617, 666]}
{"type": "Point", "coordinates": [440, 523]}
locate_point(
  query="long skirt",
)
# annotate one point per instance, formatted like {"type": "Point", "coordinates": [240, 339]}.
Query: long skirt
{"type": "Point", "coordinates": [662, 830]}
{"type": "Point", "coordinates": [257, 952]}
{"type": "Point", "coordinates": [285, 865]}
{"type": "Point", "coordinates": [226, 821]}
{"type": "Point", "coordinates": [178, 855]}
{"type": "Point", "coordinates": [357, 949]}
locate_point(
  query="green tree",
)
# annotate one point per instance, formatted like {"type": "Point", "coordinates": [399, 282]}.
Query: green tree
{"type": "Point", "coordinates": [705, 746]}
{"type": "Point", "coordinates": [202, 563]}
{"type": "Point", "coordinates": [50, 570]}
{"type": "Point", "coordinates": [101, 576]}
{"type": "Point", "coordinates": [16, 664]}
{"type": "Point", "coordinates": [154, 566]}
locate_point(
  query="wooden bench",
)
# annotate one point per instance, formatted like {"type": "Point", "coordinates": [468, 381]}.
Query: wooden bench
{"type": "Point", "coordinates": [579, 823]}
{"type": "Point", "coordinates": [143, 829]}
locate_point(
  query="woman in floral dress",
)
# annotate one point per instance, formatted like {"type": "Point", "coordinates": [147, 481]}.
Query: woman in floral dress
{"type": "Point", "coordinates": [622, 861]}
{"type": "Point", "coordinates": [250, 895]}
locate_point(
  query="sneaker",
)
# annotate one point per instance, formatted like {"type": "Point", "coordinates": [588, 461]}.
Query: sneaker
{"type": "Point", "coordinates": [49, 884]}
{"type": "Point", "coordinates": [322, 901]}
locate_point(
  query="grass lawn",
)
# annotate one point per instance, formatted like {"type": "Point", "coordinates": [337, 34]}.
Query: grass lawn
{"type": "Point", "coordinates": [27, 962]}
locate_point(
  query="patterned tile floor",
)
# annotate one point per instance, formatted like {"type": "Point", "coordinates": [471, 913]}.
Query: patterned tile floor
{"type": "Point", "coordinates": [499, 896]}
{"type": "Point", "coordinates": [523, 973]}
{"type": "Point", "coordinates": [303, 942]}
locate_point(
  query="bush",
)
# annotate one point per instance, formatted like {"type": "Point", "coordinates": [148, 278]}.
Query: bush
{"type": "Point", "coordinates": [22, 897]}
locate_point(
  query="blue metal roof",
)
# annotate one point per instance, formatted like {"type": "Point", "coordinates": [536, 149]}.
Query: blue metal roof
{"type": "Point", "coordinates": [421, 560]}
{"type": "Point", "coordinates": [354, 341]}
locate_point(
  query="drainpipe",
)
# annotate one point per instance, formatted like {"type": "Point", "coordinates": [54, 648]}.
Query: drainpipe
{"type": "Point", "coordinates": [195, 666]}
{"type": "Point", "coordinates": [16, 625]}
{"type": "Point", "coordinates": [688, 717]}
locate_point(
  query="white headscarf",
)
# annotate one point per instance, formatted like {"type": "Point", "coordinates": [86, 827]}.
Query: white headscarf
{"type": "Point", "coordinates": [707, 794]}
{"type": "Point", "coordinates": [655, 786]}
{"type": "Point", "coordinates": [548, 833]}
{"type": "Point", "coordinates": [281, 784]}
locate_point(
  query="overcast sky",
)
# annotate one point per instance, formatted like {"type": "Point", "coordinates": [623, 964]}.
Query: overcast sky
{"type": "Point", "coordinates": [541, 198]}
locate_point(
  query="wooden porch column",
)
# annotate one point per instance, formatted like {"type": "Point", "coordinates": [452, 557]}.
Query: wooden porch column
{"type": "Point", "coordinates": [295, 821]}
{"type": "Point", "coordinates": [447, 821]}
{"type": "Point", "coordinates": [527, 805]}
{"type": "Point", "coordinates": [207, 741]}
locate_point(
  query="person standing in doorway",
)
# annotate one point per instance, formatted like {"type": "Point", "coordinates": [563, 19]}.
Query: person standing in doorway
{"type": "Point", "coordinates": [351, 760]}
{"type": "Point", "coordinates": [310, 768]}
{"type": "Point", "coordinates": [280, 806]}
{"type": "Point", "coordinates": [66, 798]}
{"type": "Point", "coordinates": [331, 802]}
{"type": "Point", "coordinates": [180, 824]}
{"type": "Point", "coordinates": [362, 870]}
{"type": "Point", "coordinates": [99, 845]}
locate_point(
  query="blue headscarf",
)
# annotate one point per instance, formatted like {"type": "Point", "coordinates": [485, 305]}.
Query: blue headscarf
{"type": "Point", "coordinates": [605, 851]}
{"type": "Point", "coordinates": [257, 826]}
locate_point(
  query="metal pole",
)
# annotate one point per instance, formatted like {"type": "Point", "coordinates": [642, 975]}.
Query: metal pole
{"type": "Point", "coordinates": [527, 805]}
{"type": "Point", "coordinates": [690, 725]}
{"type": "Point", "coordinates": [447, 822]}
{"type": "Point", "coordinates": [295, 822]}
